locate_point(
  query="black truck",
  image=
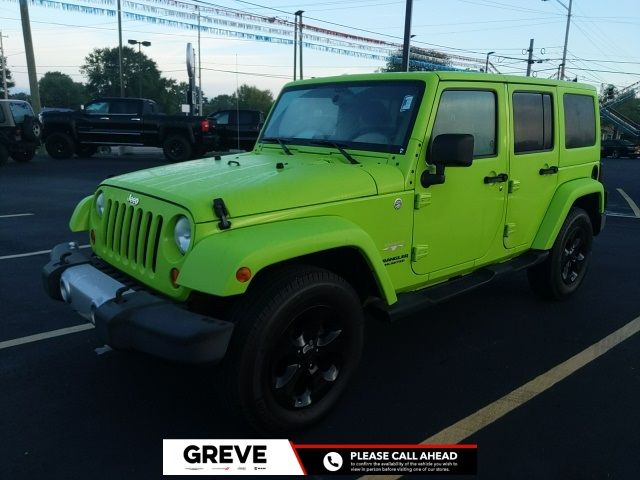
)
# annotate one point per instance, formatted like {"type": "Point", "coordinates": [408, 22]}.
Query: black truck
{"type": "Point", "coordinates": [125, 121]}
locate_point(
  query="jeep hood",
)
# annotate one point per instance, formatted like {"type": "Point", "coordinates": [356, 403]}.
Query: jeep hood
{"type": "Point", "coordinates": [251, 183]}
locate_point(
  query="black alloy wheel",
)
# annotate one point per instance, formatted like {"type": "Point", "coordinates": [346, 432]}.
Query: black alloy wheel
{"type": "Point", "coordinates": [564, 270]}
{"type": "Point", "coordinates": [59, 146]}
{"type": "Point", "coordinates": [574, 255]}
{"type": "Point", "coordinates": [297, 341]}
{"type": "Point", "coordinates": [309, 357]}
{"type": "Point", "coordinates": [176, 148]}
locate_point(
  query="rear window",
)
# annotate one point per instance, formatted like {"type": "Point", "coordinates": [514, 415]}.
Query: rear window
{"type": "Point", "coordinates": [19, 110]}
{"type": "Point", "coordinates": [579, 121]}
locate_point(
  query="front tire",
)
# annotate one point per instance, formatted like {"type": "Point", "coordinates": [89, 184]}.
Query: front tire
{"type": "Point", "coordinates": [176, 148]}
{"type": "Point", "coordinates": [59, 146]}
{"type": "Point", "coordinates": [562, 273]}
{"type": "Point", "coordinates": [297, 342]}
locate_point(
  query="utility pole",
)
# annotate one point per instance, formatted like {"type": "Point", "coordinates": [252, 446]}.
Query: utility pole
{"type": "Point", "coordinates": [295, 45]}
{"type": "Point", "coordinates": [199, 67]}
{"type": "Point", "coordinates": [31, 60]}
{"type": "Point", "coordinates": [407, 36]}
{"type": "Point", "coordinates": [120, 49]}
{"type": "Point", "coordinates": [566, 41]}
{"type": "Point", "coordinates": [530, 60]}
{"type": "Point", "coordinates": [300, 12]}
{"type": "Point", "coordinates": [4, 67]}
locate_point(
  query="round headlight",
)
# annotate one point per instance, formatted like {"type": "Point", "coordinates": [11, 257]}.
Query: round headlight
{"type": "Point", "coordinates": [100, 204]}
{"type": "Point", "coordinates": [182, 234]}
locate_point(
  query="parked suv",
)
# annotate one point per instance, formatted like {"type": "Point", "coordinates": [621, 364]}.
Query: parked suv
{"type": "Point", "coordinates": [236, 129]}
{"type": "Point", "coordinates": [19, 131]}
{"type": "Point", "coordinates": [617, 148]}
{"type": "Point", "coordinates": [386, 192]}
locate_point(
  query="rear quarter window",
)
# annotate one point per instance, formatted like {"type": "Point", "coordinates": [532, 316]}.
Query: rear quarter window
{"type": "Point", "coordinates": [579, 120]}
{"type": "Point", "coordinates": [19, 110]}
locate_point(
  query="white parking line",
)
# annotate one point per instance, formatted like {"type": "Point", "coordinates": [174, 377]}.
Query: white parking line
{"type": "Point", "coordinates": [632, 204]}
{"type": "Point", "coordinates": [475, 422]}
{"type": "Point", "coordinates": [43, 336]}
{"type": "Point", "coordinates": [30, 254]}
{"type": "Point", "coordinates": [16, 215]}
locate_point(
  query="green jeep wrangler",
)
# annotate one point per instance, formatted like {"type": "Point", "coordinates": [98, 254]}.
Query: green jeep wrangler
{"type": "Point", "coordinates": [381, 192]}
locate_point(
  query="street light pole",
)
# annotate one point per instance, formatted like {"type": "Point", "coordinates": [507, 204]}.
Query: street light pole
{"type": "Point", "coordinates": [140, 44]}
{"type": "Point", "coordinates": [566, 37]}
{"type": "Point", "coordinates": [407, 36]}
{"type": "Point", "coordinates": [4, 67]}
{"type": "Point", "coordinates": [486, 65]}
{"type": "Point", "coordinates": [120, 49]}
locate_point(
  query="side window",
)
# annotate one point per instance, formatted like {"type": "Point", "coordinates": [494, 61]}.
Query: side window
{"type": "Point", "coordinates": [123, 108]}
{"type": "Point", "coordinates": [97, 107]}
{"type": "Point", "coordinates": [532, 122]}
{"type": "Point", "coordinates": [472, 112]}
{"type": "Point", "coordinates": [222, 118]}
{"type": "Point", "coordinates": [19, 110]}
{"type": "Point", "coordinates": [579, 121]}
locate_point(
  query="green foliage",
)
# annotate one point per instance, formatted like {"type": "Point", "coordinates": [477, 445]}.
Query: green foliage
{"type": "Point", "coordinates": [248, 97]}
{"type": "Point", "coordinates": [57, 89]}
{"type": "Point", "coordinates": [141, 78]}
{"type": "Point", "coordinates": [630, 109]}
{"type": "Point", "coordinates": [25, 97]}
{"type": "Point", "coordinates": [10, 83]}
{"type": "Point", "coordinates": [420, 60]}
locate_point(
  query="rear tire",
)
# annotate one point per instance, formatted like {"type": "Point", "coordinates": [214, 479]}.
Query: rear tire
{"type": "Point", "coordinates": [562, 273]}
{"type": "Point", "coordinates": [176, 148]}
{"type": "Point", "coordinates": [615, 154]}
{"type": "Point", "coordinates": [23, 156]}
{"type": "Point", "coordinates": [59, 146]}
{"type": "Point", "coordinates": [296, 344]}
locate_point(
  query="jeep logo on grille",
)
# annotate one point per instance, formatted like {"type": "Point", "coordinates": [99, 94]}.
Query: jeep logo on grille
{"type": "Point", "coordinates": [133, 200]}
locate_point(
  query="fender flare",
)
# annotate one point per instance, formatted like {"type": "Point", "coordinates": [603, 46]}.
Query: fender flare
{"type": "Point", "coordinates": [79, 221]}
{"type": "Point", "coordinates": [564, 198]}
{"type": "Point", "coordinates": [212, 264]}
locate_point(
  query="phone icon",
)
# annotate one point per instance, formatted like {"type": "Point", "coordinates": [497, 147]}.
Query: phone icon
{"type": "Point", "coordinates": [332, 461]}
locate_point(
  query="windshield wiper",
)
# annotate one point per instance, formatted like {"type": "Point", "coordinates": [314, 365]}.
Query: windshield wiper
{"type": "Point", "coordinates": [281, 142]}
{"type": "Point", "coordinates": [337, 146]}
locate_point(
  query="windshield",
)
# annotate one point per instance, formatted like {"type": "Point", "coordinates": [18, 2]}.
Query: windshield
{"type": "Point", "coordinates": [374, 116]}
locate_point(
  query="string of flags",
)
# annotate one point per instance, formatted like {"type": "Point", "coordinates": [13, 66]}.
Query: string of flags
{"type": "Point", "coordinates": [232, 23]}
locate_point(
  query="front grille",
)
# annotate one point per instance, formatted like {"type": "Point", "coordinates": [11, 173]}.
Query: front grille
{"type": "Point", "coordinates": [131, 234]}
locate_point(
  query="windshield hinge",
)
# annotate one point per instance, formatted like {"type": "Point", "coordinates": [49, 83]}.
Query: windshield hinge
{"type": "Point", "coordinates": [422, 200]}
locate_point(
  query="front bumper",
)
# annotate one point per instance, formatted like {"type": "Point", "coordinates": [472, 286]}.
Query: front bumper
{"type": "Point", "coordinates": [126, 318]}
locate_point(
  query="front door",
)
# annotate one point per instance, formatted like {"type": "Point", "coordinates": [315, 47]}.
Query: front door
{"type": "Point", "coordinates": [459, 222]}
{"type": "Point", "coordinates": [533, 162]}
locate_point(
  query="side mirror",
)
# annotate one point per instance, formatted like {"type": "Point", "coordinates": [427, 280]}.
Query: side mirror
{"type": "Point", "coordinates": [452, 150]}
{"type": "Point", "coordinates": [447, 150]}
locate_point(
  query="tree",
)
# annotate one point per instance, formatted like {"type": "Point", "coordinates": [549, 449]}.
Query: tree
{"type": "Point", "coordinates": [253, 98]}
{"type": "Point", "coordinates": [57, 89]}
{"type": "Point", "coordinates": [10, 83]}
{"type": "Point", "coordinates": [420, 60]}
{"type": "Point", "coordinates": [221, 102]}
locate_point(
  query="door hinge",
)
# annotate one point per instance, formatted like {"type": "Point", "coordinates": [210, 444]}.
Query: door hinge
{"type": "Point", "coordinates": [418, 252]}
{"type": "Point", "coordinates": [514, 185]}
{"type": "Point", "coordinates": [422, 200]}
{"type": "Point", "coordinates": [509, 228]}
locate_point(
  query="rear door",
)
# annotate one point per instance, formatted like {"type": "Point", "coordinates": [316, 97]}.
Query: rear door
{"type": "Point", "coordinates": [533, 161]}
{"type": "Point", "coordinates": [125, 121]}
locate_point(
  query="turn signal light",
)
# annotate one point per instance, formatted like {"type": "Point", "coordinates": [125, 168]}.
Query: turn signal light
{"type": "Point", "coordinates": [174, 277]}
{"type": "Point", "coordinates": [243, 275]}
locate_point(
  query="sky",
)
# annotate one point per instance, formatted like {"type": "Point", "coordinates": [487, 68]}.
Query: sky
{"type": "Point", "coordinates": [603, 45]}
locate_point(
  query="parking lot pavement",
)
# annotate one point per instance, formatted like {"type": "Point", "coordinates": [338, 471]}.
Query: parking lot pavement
{"type": "Point", "coordinates": [71, 409]}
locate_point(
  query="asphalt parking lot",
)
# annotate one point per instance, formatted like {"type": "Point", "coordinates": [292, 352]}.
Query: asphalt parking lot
{"type": "Point", "coordinates": [72, 409]}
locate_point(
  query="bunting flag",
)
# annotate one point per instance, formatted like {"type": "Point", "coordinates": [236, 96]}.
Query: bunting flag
{"type": "Point", "coordinates": [232, 23]}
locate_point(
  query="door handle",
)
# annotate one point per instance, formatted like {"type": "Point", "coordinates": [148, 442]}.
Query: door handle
{"type": "Point", "coordinates": [136, 119]}
{"type": "Point", "coordinates": [502, 177]}
{"type": "Point", "coordinates": [549, 171]}
{"type": "Point", "coordinates": [104, 118]}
